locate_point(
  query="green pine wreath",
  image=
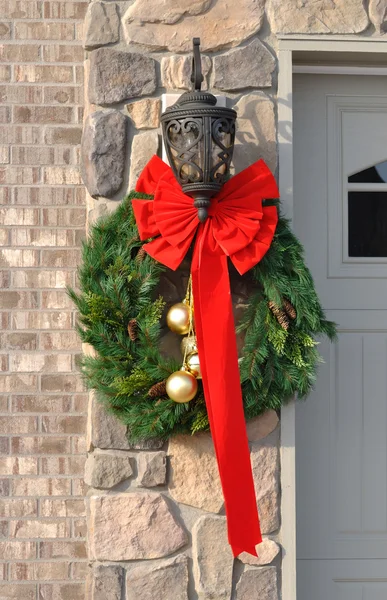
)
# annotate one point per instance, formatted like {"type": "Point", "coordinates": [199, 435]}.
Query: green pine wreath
{"type": "Point", "coordinates": [122, 316]}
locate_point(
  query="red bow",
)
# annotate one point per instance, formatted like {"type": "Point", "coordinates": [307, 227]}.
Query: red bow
{"type": "Point", "coordinates": [238, 226]}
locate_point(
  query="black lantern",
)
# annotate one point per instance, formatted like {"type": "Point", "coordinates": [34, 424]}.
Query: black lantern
{"type": "Point", "coordinates": [199, 140]}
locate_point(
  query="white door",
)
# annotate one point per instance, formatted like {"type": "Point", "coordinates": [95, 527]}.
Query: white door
{"type": "Point", "coordinates": [340, 215]}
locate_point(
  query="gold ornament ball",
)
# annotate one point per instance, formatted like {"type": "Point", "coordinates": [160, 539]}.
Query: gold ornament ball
{"type": "Point", "coordinates": [193, 365]}
{"type": "Point", "coordinates": [181, 386]}
{"type": "Point", "coordinates": [178, 318]}
{"type": "Point", "coordinates": [189, 345]}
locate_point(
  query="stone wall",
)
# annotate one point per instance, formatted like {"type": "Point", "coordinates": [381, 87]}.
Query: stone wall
{"type": "Point", "coordinates": [43, 403]}
{"type": "Point", "coordinates": [156, 525]}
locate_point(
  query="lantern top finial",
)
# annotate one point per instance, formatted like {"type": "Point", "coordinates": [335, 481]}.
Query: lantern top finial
{"type": "Point", "coordinates": [196, 75]}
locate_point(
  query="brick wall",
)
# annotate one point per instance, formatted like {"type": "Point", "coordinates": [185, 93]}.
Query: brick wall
{"type": "Point", "coordinates": [42, 221]}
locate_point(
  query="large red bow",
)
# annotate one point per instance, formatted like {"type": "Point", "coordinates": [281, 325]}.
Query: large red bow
{"type": "Point", "coordinates": [238, 226]}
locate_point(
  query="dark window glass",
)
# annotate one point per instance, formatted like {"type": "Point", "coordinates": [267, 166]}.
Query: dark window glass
{"type": "Point", "coordinates": [367, 224]}
{"type": "Point", "coordinates": [375, 174]}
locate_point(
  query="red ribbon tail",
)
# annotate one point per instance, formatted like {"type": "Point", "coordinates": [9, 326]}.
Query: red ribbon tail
{"type": "Point", "coordinates": [217, 348]}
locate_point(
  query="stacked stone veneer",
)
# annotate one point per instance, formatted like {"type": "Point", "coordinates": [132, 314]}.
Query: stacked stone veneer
{"type": "Point", "coordinates": [156, 525]}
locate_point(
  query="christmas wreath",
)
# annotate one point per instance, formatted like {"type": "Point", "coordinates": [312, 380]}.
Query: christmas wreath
{"type": "Point", "coordinates": [122, 315]}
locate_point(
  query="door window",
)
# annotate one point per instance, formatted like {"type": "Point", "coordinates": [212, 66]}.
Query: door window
{"type": "Point", "coordinates": [367, 212]}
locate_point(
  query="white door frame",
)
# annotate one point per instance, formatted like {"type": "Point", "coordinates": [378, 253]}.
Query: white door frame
{"type": "Point", "coordinates": [335, 54]}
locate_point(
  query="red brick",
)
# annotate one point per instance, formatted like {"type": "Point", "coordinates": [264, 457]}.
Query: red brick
{"type": "Point", "coordinates": [63, 95]}
{"type": "Point", "coordinates": [20, 382]}
{"type": "Point", "coordinates": [64, 10]}
{"type": "Point", "coordinates": [4, 320]}
{"type": "Point", "coordinates": [11, 299]}
{"type": "Point", "coordinates": [20, 134]}
{"type": "Point", "coordinates": [42, 363]}
{"type": "Point", "coordinates": [41, 320]}
{"type": "Point", "coordinates": [5, 195]}
{"type": "Point", "coordinates": [5, 114]}
{"type": "Point", "coordinates": [18, 425]}
{"type": "Point", "coordinates": [79, 570]}
{"type": "Point", "coordinates": [19, 258]}
{"type": "Point", "coordinates": [43, 30]}
{"type": "Point", "coordinates": [62, 383]}
{"type": "Point", "coordinates": [61, 549]}
{"type": "Point", "coordinates": [62, 591]}
{"type": "Point", "coordinates": [55, 196]}
{"type": "Point", "coordinates": [64, 340]}
{"type": "Point", "coordinates": [63, 135]}
{"type": "Point", "coordinates": [36, 528]}
{"type": "Point", "coordinates": [4, 362]}
{"type": "Point", "coordinates": [42, 238]}
{"type": "Point", "coordinates": [16, 507]}
{"type": "Point", "coordinates": [60, 300]}
{"type": "Point", "coordinates": [40, 445]}
{"type": "Point", "coordinates": [17, 550]}
{"type": "Point", "coordinates": [15, 53]}
{"type": "Point", "coordinates": [63, 53]}
{"type": "Point", "coordinates": [4, 237]}
{"type": "Point", "coordinates": [42, 279]}
{"type": "Point", "coordinates": [20, 341]}
{"type": "Point", "coordinates": [79, 528]}
{"type": "Point", "coordinates": [79, 487]}
{"type": "Point", "coordinates": [31, 155]}
{"type": "Point", "coordinates": [41, 404]}
{"type": "Point", "coordinates": [40, 487]}
{"type": "Point", "coordinates": [64, 424]}
{"type": "Point", "coordinates": [20, 9]}
{"type": "Point", "coordinates": [62, 465]}
{"type": "Point", "coordinates": [21, 94]}
{"type": "Point", "coordinates": [4, 487]}
{"type": "Point", "coordinates": [62, 508]}
{"type": "Point", "coordinates": [61, 176]}
{"type": "Point", "coordinates": [19, 175]}
{"type": "Point", "coordinates": [81, 402]}
{"type": "Point", "coordinates": [4, 529]}
{"type": "Point", "coordinates": [43, 114]}
{"type": "Point", "coordinates": [64, 217]}
{"type": "Point", "coordinates": [19, 216]}
{"type": "Point", "coordinates": [4, 445]}
{"type": "Point", "coordinates": [44, 73]}
{"type": "Point", "coordinates": [5, 279]}
{"type": "Point", "coordinates": [79, 445]}
{"type": "Point", "coordinates": [4, 155]}
{"type": "Point", "coordinates": [60, 258]}
{"type": "Point", "coordinates": [5, 73]}
{"type": "Point", "coordinates": [14, 465]}
{"type": "Point", "coordinates": [5, 31]}
{"type": "Point", "coordinates": [18, 592]}
{"type": "Point", "coordinates": [39, 571]}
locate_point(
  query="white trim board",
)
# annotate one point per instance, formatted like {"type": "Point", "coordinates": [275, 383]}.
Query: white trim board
{"type": "Point", "coordinates": [339, 70]}
{"type": "Point", "coordinates": [306, 49]}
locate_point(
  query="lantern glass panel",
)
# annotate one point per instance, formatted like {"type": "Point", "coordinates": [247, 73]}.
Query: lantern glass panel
{"type": "Point", "coordinates": [221, 147]}
{"type": "Point", "coordinates": [186, 144]}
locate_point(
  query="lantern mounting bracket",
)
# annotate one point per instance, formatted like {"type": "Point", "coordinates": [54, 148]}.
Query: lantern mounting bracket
{"type": "Point", "coordinates": [196, 75]}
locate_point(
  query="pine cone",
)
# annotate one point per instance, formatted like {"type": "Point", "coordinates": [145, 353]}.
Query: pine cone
{"type": "Point", "coordinates": [289, 309]}
{"type": "Point", "coordinates": [157, 390]}
{"type": "Point", "coordinates": [279, 315]}
{"type": "Point", "coordinates": [140, 254]}
{"type": "Point", "coordinates": [132, 329]}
